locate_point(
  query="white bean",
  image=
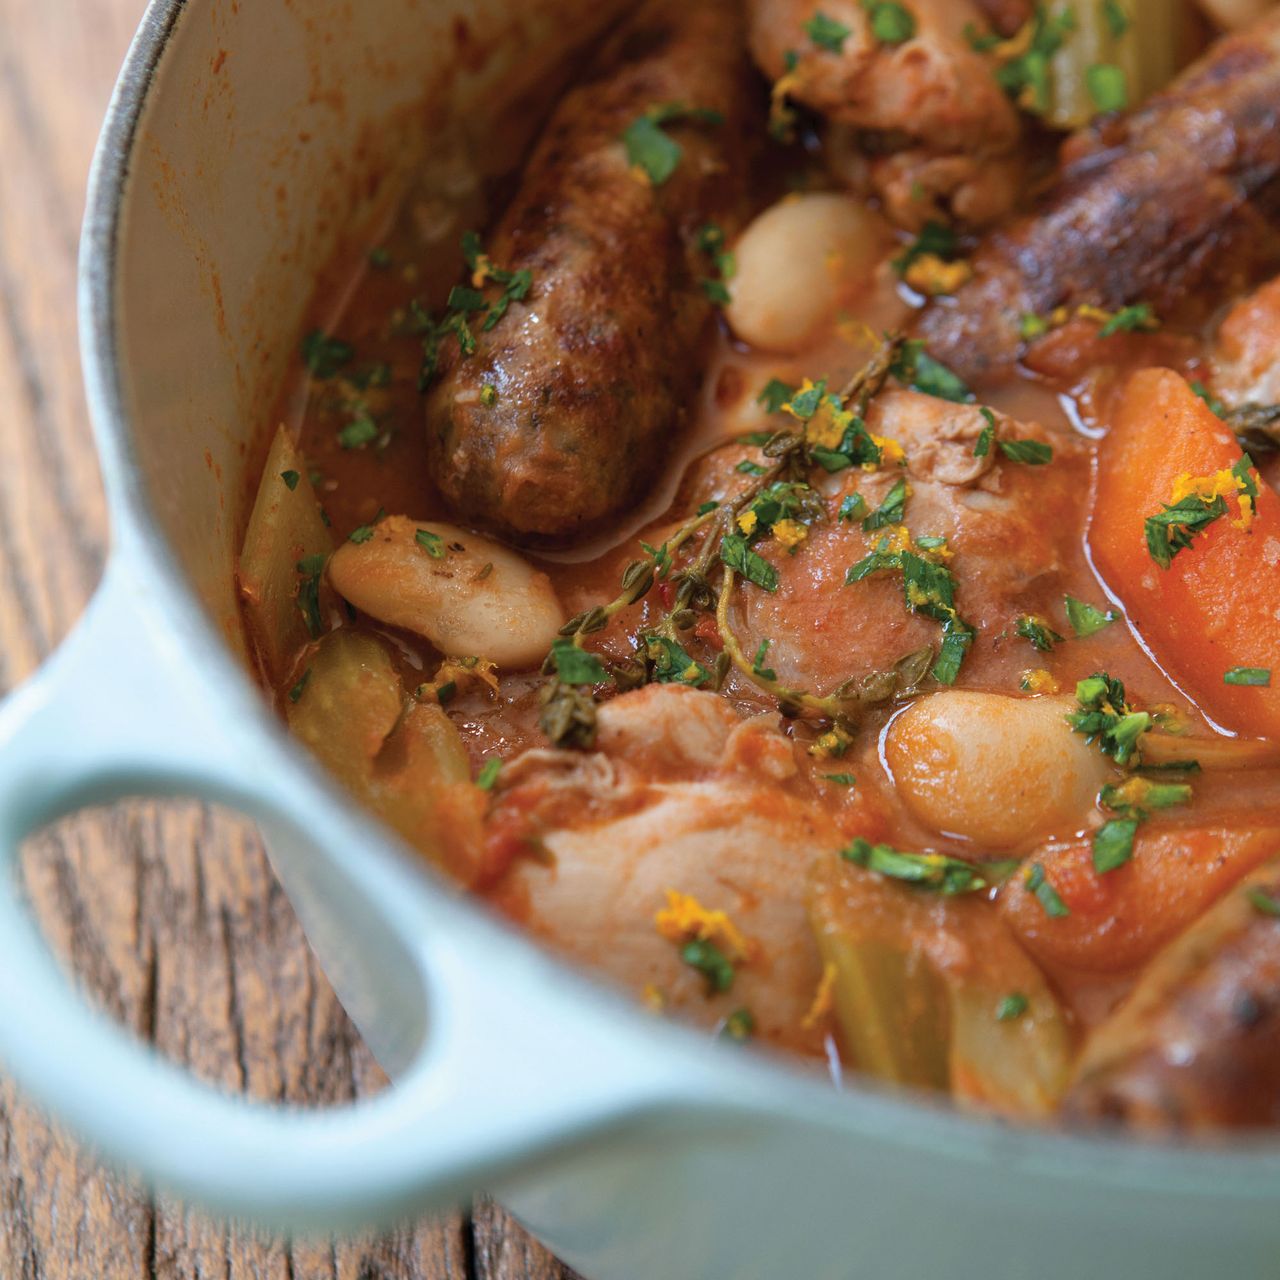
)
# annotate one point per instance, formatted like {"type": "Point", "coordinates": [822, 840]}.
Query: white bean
{"type": "Point", "coordinates": [1001, 771]}
{"type": "Point", "coordinates": [796, 262]}
{"type": "Point", "coordinates": [468, 595]}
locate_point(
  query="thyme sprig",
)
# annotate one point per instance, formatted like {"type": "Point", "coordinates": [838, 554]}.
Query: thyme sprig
{"type": "Point", "coordinates": [568, 706]}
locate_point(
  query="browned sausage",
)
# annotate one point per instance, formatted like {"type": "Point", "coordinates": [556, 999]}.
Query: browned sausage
{"type": "Point", "coordinates": [1197, 1045]}
{"type": "Point", "coordinates": [1157, 205]}
{"type": "Point", "coordinates": [594, 372]}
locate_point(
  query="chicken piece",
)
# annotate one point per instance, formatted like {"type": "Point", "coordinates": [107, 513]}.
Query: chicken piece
{"type": "Point", "coordinates": [932, 87]}
{"type": "Point", "coordinates": [1008, 525]}
{"type": "Point", "coordinates": [1197, 1044]}
{"type": "Point", "coordinates": [681, 794]}
{"type": "Point", "coordinates": [1173, 200]}
{"type": "Point", "coordinates": [933, 90]}
{"type": "Point", "coordinates": [559, 418]}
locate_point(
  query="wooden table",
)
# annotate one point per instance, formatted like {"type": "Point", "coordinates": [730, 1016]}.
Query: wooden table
{"type": "Point", "coordinates": [168, 914]}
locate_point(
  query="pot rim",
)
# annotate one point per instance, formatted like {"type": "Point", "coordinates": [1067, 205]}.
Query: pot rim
{"type": "Point", "coordinates": [746, 1084]}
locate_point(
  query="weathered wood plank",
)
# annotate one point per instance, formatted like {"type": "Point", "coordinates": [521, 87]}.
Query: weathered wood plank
{"type": "Point", "coordinates": [168, 915]}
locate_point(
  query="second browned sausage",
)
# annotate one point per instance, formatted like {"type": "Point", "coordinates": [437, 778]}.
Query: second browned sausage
{"type": "Point", "coordinates": [560, 418]}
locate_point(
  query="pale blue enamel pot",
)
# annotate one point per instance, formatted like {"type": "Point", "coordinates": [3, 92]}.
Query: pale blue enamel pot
{"type": "Point", "coordinates": [242, 138]}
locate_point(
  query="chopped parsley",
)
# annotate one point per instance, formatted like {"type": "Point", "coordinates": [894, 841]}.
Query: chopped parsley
{"type": "Point", "coordinates": [1137, 318]}
{"type": "Point", "coordinates": [290, 479]}
{"type": "Point", "coordinates": [574, 665]}
{"type": "Point", "coordinates": [1085, 619]}
{"type": "Point", "coordinates": [891, 23]}
{"type": "Point", "coordinates": [1032, 453]}
{"type": "Point", "coordinates": [928, 589]}
{"type": "Point", "coordinates": [737, 554]}
{"type": "Point", "coordinates": [840, 779]}
{"type": "Point", "coordinates": [431, 543]}
{"type": "Point", "coordinates": [360, 431]}
{"type": "Point", "coordinates": [1215, 405]}
{"type": "Point", "coordinates": [740, 1025]}
{"type": "Point", "coordinates": [650, 149]}
{"type": "Point", "coordinates": [711, 962]}
{"type": "Point", "coordinates": [917, 369]}
{"type": "Point", "coordinates": [1257, 677]}
{"type": "Point", "coordinates": [672, 663]}
{"type": "Point", "coordinates": [1012, 1007]}
{"type": "Point", "coordinates": [851, 508]}
{"type": "Point", "coordinates": [1109, 88]}
{"type": "Point", "coordinates": [711, 241]}
{"type": "Point", "coordinates": [827, 33]}
{"type": "Point", "coordinates": [361, 534]}
{"type": "Point", "coordinates": [298, 689]}
{"type": "Point", "coordinates": [1042, 636]}
{"type": "Point", "coordinates": [1106, 718]}
{"type": "Point", "coordinates": [1174, 529]}
{"type": "Point", "coordinates": [774, 394]}
{"type": "Point", "coordinates": [1263, 902]}
{"type": "Point", "coordinates": [936, 239]}
{"type": "Point", "coordinates": [935, 871]}
{"type": "Point", "coordinates": [1113, 844]}
{"type": "Point", "coordinates": [324, 355]}
{"type": "Point", "coordinates": [488, 774]}
{"type": "Point", "coordinates": [748, 468]}
{"type": "Point", "coordinates": [982, 446]}
{"type": "Point", "coordinates": [1138, 795]}
{"type": "Point", "coordinates": [757, 663]}
{"type": "Point", "coordinates": [312, 569]}
{"type": "Point", "coordinates": [1028, 77]}
{"type": "Point", "coordinates": [488, 395]}
{"type": "Point", "coordinates": [1048, 897]}
{"type": "Point", "coordinates": [891, 510]}
{"type": "Point", "coordinates": [1116, 18]}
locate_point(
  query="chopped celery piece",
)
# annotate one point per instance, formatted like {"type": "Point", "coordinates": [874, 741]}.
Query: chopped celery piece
{"type": "Point", "coordinates": [1118, 53]}
{"type": "Point", "coordinates": [919, 983]}
{"type": "Point", "coordinates": [285, 527]}
{"type": "Point", "coordinates": [402, 758]}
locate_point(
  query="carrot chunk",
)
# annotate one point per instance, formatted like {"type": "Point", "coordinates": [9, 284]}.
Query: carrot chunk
{"type": "Point", "coordinates": [1216, 607]}
{"type": "Point", "coordinates": [1117, 921]}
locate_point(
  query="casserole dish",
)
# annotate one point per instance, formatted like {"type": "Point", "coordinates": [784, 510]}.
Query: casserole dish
{"type": "Point", "coordinates": [239, 142]}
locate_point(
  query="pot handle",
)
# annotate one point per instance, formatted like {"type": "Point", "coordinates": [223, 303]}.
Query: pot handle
{"type": "Point", "coordinates": [511, 1069]}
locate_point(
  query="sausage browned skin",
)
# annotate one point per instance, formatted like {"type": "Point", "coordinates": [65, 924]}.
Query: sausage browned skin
{"type": "Point", "coordinates": [1147, 208]}
{"type": "Point", "coordinates": [596, 369]}
{"type": "Point", "coordinates": [1197, 1045]}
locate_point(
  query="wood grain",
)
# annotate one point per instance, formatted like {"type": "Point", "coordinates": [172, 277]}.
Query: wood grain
{"type": "Point", "coordinates": [168, 915]}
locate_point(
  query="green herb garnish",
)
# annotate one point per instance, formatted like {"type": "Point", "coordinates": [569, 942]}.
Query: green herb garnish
{"type": "Point", "coordinates": [312, 570]}
{"type": "Point", "coordinates": [935, 871]}
{"type": "Point", "coordinates": [1108, 87]}
{"type": "Point", "coordinates": [1263, 902]}
{"type": "Point", "coordinates": [290, 479]}
{"type": "Point", "coordinates": [1048, 897]}
{"type": "Point", "coordinates": [650, 149]}
{"type": "Point", "coordinates": [1032, 453]}
{"type": "Point", "coordinates": [711, 962]}
{"type": "Point", "coordinates": [1257, 677]}
{"type": "Point", "coordinates": [325, 355]}
{"type": "Point", "coordinates": [1139, 317]}
{"type": "Point", "coordinates": [891, 23]}
{"type": "Point", "coordinates": [1042, 636]}
{"type": "Point", "coordinates": [827, 33]}
{"type": "Point", "coordinates": [1012, 1007]}
{"type": "Point", "coordinates": [1113, 844]}
{"type": "Point", "coordinates": [431, 543]}
{"type": "Point", "coordinates": [1106, 718]}
{"type": "Point", "coordinates": [1085, 619]}
{"type": "Point", "coordinates": [488, 774]}
{"type": "Point", "coordinates": [891, 510]}
{"type": "Point", "coordinates": [576, 666]}
{"type": "Point", "coordinates": [296, 692]}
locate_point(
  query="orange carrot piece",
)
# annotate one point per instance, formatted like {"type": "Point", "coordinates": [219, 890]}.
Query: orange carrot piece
{"type": "Point", "coordinates": [1217, 606]}
{"type": "Point", "coordinates": [1118, 920]}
